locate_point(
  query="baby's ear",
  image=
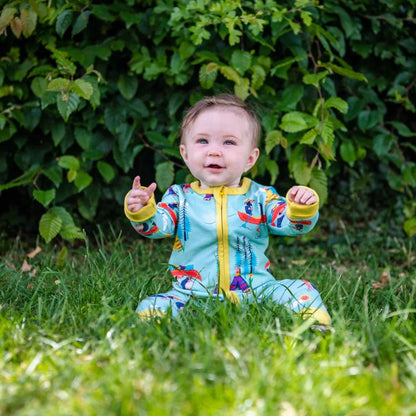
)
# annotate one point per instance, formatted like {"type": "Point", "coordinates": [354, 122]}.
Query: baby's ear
{"type": "Point", "coordinates": [183, 152]}
{"type": "Point", "coordinates": [252, 159]}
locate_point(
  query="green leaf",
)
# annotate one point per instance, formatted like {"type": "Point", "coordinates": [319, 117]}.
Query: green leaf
{"type": "Point", "coordinates": [314, 79]}
{"type": "Point", "coordinates": [3, 121]}
{"type": "Point", "coordinates": [62, 257]}
{"type": "Point", "coordinates": [273, 169]}
{"type": "Point", "coordinates": [175, 101]}
{"type": "Point", "coordinates": [259, 76]}
{"type": "Point", "coordinates": [395, 181]}
{"type": "Point", "coordinates": [57, 132]}
{"type": "Point", "coordinates": [68, 105]}
{"type": "Point", "coordinates": [81, 22]}
{"type": "Point", "coordinates": [241, 89]}
{"type": "Point", "coordinates": [292, 124]}
{"type": "Point", "coordinates": [319, 183]}
{"type": "Point", "coordinates": [296, 121]}
{"type": "Point", "coordinates": [309, 136]}
{"type": "Point", "coordinates": [82, 88]}
{"type": "Point", "coordinates": [284, 65]}
{"type": "Point", "coordinates": [345, 72]}
{"type": "Point", "coordinates": [63, 22]}
{"type": "Point", "coordinates": [186, 50]}
{"type": "Point", "coordinates": [327, 132]}
{"type": "Point", "coordinates": [39, 86]}
{"type": "Point", "coordinates": [28, 19]}
{"type": "Point", "coordinates": [71, 175]}
{"type": "Point", "coordinates": [83, 137]}
{"type": "Point", "coordinates": [126, 159]}
{"type": "Point", "coordinates": [49, 226]}
{"type": "Point", "coordinates": [164, 175]}
{"type": "Point", "coordinates": [95, 98]}
{"type": "Point", "coordinates": [326, 151]}
{"type": "Point", "coordinates": [402, 129]}
{"type": "Point", "coordinates": [301, 172]}
{"type": "Point", "coordinates": [103, 12]}
{"type": "Point", "coordinates": [71, 232]}
{"type": "Point", "coordinates": [156, 138]}
{"type": "Point", "coordinates": [63, 214]}
{"type": "Point", "coordinates": [106, 171]}
{"type": "Point", "coordinates": [124, 133]}
{"type": "Point", "coordinates": [59, 84]}
{"type": "Point", "coordinates": [67, 229]}
{"type": "Point", "coordinates": [241, 61]}
{"type": "Point", "coordinates": [54, 174]}
{"type": "Point", "coordinates": [208, 75]}
{"type": "Point", "coordinates": [113, 117]}
{"type": "Point", "coordinates": [44, 197]}
{"type": "Point", "coordinates": [230, 73]}
{"type": "Point", "coordinates": [6, 16]}
{"type": "Point", "coordinates": [382, 144]}
{"type": "Point", "coordinates": [273, 139]}
{"type": "Point", "coordinates": [68, 162]}
{"type": "Point", "coordinates": [367, 119]}
{"type": "Point", "coordinates": [127, 85]}
{"type": "Point", "coordinates": [347, 151]}
{"type": "Point", "coordinates": [409, 226]}
{"type": "Point", "coordinates": [290, 97]}
{"type": "Point", "coordinates": [337, 103]}
{"type": "Point", "coordinates": [409, 174]}
{"type": "Point", "coordinates": [82, 180]}
{"type": "Point", "coordinates": [306, 17]}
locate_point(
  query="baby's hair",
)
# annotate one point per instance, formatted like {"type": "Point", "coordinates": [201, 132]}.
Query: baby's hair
{"type": "Point", "coordinates": [222, 100]}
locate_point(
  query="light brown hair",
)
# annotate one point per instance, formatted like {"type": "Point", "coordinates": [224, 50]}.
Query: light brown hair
{"type": "Point", "coordinates": [227, 101]}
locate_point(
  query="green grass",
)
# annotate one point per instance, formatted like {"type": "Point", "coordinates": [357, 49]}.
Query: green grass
{"type": "Point", "coordinates": [71, 343]}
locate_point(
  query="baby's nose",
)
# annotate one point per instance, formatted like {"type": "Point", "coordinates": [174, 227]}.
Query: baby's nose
{"type": "Point", "coordinates": [214, 151]}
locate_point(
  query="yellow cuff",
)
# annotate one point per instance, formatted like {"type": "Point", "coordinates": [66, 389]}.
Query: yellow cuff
{"type": "Point", "coordinates": [143, 214]}
{"type": "Point", "coordinates": [297, 211]}
{"type": "Point", "coordinates": [150, 314]}
{"type": "Point", "coordinates": [317, 315]}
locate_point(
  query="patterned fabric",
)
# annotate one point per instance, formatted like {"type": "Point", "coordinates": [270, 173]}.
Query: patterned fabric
{"type": "Point", "coordinates": [220, 238]}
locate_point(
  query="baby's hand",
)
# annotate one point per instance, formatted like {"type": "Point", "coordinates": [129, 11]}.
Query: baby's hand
{"type": "Point", "coordinates": [138, 197]}
{"type": "Point", "coordinates": [301, 195]}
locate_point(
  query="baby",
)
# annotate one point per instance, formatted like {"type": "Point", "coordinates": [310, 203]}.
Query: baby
{"type": "Point", "coordinates": [221, 222]}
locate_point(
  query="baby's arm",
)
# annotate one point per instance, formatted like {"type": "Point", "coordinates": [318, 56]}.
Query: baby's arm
{"type": "Point", "coordinates": [138, 196]}
{"type": "Point", "coordinates": [296, 214]}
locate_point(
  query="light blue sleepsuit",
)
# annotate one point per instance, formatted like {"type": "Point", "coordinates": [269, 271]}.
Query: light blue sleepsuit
{"type": "Point", "coordinates": [221, 235]}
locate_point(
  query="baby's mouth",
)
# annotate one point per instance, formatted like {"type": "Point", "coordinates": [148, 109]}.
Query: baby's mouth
{"type": "Point", "coordinates": [214, 166]}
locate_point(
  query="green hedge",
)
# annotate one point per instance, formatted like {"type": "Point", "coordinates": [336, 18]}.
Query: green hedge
{"type": "Point", "coordinates": [93, 93]}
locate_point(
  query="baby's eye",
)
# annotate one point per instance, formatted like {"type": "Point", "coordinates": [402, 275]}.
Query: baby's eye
{"type": "Point", "coordinates": [201, 140]}
{"type": "Point", "coordinates": [230, 142]}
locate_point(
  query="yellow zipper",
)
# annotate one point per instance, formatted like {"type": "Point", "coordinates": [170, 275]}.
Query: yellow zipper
{"type": "Point", "coordinates": [223, 246]}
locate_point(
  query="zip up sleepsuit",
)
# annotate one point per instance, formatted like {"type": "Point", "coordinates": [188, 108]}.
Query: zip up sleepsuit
{"type": "Point", "coordinates": [221, 235]}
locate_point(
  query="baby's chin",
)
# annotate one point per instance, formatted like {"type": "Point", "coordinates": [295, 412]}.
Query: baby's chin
{"type": "Point", "coordinates": [205, 185]}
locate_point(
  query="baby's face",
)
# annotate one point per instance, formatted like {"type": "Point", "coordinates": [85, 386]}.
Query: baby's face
{"type": "Point", "coordinates": [218, 148]}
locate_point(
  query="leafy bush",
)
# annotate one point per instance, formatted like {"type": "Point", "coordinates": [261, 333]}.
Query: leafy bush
{"type": "Point", "coordinates": [93, 93]}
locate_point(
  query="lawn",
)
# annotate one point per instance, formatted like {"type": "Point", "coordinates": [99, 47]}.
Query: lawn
{"type": "Point", "coordinates": [71, 342]}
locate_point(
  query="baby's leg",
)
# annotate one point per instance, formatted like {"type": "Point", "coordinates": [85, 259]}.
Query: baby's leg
{"type": "Point", "coordinates": [159, 305]}
{"type": "Point", "coordinates": [300, 296]}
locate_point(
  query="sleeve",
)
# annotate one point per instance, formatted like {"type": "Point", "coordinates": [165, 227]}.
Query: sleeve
{"type": "Point", "coordinates": [156, 220]}
{"type": "Point", "coordinates": [289, 218]}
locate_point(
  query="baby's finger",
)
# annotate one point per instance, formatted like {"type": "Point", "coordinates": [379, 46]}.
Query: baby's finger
{"type": "Point", "coordinates": [293, 191]}
{"type": "Point", "coordinates": [136, 183]}
{"type": "Point", "coordinates": [300, 193]}
{"type": "Point", "coordinates": [133, 207]}
{"type": "Point", "coordinates": [309, 198]}
{"type": "Point", "coordinates": [151, 189]}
